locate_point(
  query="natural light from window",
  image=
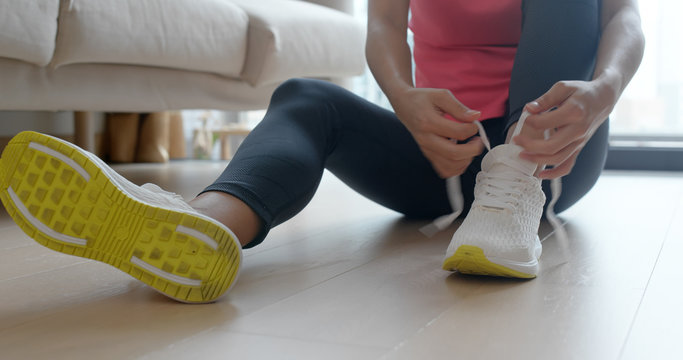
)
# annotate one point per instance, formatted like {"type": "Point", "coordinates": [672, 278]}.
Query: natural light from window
{"type": "Point", "coordinates": [653, 102]}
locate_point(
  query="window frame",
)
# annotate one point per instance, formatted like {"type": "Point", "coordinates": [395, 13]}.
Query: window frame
{"type": "Point", "coordinates": [643, 152]}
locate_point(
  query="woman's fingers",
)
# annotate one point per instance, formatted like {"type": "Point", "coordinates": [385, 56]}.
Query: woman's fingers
{"type": "Point", "coordinates": [443, 166]}
{"type": "Point", "coordinates": [450, 159]}
{"type": "Point", "coordinates": [450, 150]}
{"type": "Point", "coordinates": [554, 97]}
{"type": "Point", "coordinates": [560, 139]}
{"type": "Point", "coordinates": [560, 170]}
{"type": "Point", "coordinates": [426, 111]}
{"type": "Point", "coordinates": [447, 103]}
{"type": "Point", "coordinates": [556, 158]}
{"type": "Point", "coordinates": [450, 129]}
{"type": "Point", "coordinates": [571, 112]}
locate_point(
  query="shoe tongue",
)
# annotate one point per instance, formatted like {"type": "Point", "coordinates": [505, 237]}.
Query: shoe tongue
{"type": "Point", "coordinates": [507, 156]}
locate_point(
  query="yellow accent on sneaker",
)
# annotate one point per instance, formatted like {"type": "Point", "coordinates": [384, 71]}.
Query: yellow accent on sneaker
{"type": "Point", "coordinates": [66, 202]}
{"type": "Point", "coordinates": [470, 259]}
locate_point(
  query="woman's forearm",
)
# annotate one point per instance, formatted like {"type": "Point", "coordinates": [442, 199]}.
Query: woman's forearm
{"type": "Point", "coordinates": [621, 46]}
{"type": "Point", "coordinates": [387, 51]}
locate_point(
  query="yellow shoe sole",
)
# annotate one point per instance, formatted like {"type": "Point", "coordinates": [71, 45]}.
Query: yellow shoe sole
{"type": "Point", "coordinates": [65, 201]}
{"type": "Point", "coordinates": [471, 260]}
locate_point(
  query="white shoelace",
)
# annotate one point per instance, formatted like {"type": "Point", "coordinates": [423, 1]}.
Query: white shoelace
{"type": "Point", "coordinates": [497, 194]}
{"type": "Point", "coordinates": [501, 190]}
{"type": "Point", "coordinates": [454, 191]}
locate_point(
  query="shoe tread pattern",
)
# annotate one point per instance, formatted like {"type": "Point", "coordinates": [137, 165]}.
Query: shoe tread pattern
{"type": "Point", "coordinates": [115, 226]}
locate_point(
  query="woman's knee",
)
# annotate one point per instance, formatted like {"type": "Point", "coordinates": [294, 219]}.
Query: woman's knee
{"type": "Point", "coordinates": [307, 106]}
{"type": "Point", "coordinates": [312, 104]}
{"type": "Point", "coordinates": [573, 18]}
{"type": "Point", "coordinates": [303, 90]}
{"type": "Point", "coordinates": [559, 4]}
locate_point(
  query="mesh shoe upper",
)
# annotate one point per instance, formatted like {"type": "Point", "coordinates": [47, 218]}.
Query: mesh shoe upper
{"type": "Point", "coordinates": [148, 193]}
{"type": "Point", "coordinates": [507, 209]}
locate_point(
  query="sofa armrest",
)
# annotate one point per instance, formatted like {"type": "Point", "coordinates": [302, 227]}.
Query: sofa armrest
{"type": "Point", "coordinates": [289, 38]}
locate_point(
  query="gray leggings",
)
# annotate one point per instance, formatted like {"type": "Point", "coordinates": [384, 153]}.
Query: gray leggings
{"type": "Point", "coordinates": [312, 125]}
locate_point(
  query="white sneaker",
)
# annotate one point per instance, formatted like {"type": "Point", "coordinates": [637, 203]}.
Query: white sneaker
{"type": "Point", "coordinates": [70, 201]}
{"type": "Point", "coordinates": [499, 236]}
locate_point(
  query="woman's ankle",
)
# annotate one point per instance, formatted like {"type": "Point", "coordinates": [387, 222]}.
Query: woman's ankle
{"type": "Point", "coordinates": [231, 212]}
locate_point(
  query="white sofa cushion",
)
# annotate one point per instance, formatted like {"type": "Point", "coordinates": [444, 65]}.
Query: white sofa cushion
{"type": "Point", "coordinates": [294, 38]}
{"type": "Point", "coordinates": [198, 35]}
{"type": "Point", "coordinates": [28, 30]}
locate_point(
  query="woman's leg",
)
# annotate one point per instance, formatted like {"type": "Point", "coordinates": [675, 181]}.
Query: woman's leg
{"type": "Point", "coordinates": [312, 125]}
{"type": "Point", "coordinates": [559, 42]}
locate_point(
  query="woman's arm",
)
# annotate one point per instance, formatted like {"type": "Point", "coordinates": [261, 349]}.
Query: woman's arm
{"type": "Point", "coordinates": [581, 107]}
{"type": "Point", "coordinates": [422, 111]}
{"type": "Point", "coordinates": [386, 48]}
{"type": "Point", "coordinates": [621, 45]}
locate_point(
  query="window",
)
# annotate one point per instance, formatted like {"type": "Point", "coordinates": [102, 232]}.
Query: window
{"type": "Point", "coordinates": [647, 123]}
{"type": "Point", "coordinates": [652, 104]}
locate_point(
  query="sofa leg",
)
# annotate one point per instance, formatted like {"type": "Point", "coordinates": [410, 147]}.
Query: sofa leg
{"type": "Point", "coordinates": [84, 135]}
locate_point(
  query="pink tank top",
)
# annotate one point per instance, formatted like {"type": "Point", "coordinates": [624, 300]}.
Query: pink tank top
{"type": "Point", "coordinates": [467, 47]}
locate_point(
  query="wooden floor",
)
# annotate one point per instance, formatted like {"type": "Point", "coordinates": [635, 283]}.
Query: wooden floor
{"type": "Point", "coordinates": [347, 279]}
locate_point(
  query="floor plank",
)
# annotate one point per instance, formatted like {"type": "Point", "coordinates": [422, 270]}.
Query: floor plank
{"type": "Point", "coordinates": [527, 321]}
{"type": "Point", "coordinates": [658, 326]}
{"type": "Point", "coordinates": [253, 346]}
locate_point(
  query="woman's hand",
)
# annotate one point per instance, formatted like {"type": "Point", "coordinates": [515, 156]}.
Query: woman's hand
{"type": "Point", "coordinates": [572, 111]}
{"type": "Point", "coordinates": [582, 106]}
{"type": "Point", "coordinates": [423, 112]}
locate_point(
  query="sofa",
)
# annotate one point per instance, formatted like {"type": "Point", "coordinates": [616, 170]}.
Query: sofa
{"type": "Point", "coordinates": [157, 55]}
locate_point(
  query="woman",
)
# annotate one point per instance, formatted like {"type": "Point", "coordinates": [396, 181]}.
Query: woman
{"type": "Point", "coordinates": [487, 61]}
